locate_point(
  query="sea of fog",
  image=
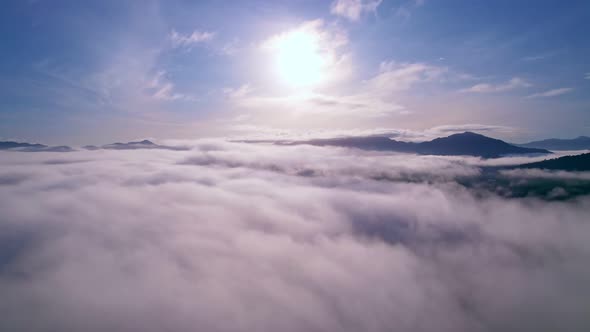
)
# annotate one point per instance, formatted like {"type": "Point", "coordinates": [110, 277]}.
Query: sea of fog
{"type": "Point", "coordinates": [258, 237]}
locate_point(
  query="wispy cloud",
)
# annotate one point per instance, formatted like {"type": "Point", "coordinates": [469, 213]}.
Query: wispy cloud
{"type": "Point", "coordinates": [514, 83]}
{"type": "Point", "coordinates": [405, 10]}
{"type": "Point", "coordinates": [534, 57]}
{"type": "Point", "coordinates": [354, 9]}
{"type": "Point", "coordinates": [373, 98]}
{"type": "Point", "coordinates": [376, 97]}
{"type": "Point", "coordinates": [239, 92]}
{"type": "Point", "coordinates": [587, 76]}
{"type": "Point", "coordinates": [550, 93]}
{"type": "Point", "coordinates": [401, 76]}
{"type": "Point", "coordinates": [540, 56]}
{"type": "Point", "coordinates": [162, 89]}
{"type": "Point", "coordinates": [180, 40]}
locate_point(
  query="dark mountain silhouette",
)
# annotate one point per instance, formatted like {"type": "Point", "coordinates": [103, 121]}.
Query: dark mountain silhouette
{"type": "Point", "coordinates": [578, 143]}
{"type": "Point", "coordinates": [28, 147]}
{"type": "Point", "coordinates": [568, 163]}
{"type": "Point", "coordinates": [16, 145]}
{"type": "Point", "coordinates": [145, 144]}
{"type": "Point", "coordinates": [467, 144]}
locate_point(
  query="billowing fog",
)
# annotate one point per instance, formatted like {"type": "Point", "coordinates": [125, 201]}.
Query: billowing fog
{"type": "Point", "coordinates": [254, 237]}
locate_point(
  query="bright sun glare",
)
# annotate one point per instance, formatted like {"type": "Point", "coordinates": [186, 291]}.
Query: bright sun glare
{"type": "Point", "coordinates": [299, 60]}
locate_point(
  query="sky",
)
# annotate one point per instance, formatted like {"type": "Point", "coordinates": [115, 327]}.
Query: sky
{"type": "Point", "coordinates": [79, 72]}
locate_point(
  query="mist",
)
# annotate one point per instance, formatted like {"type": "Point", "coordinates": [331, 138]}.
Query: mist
{"type": "Point", "coordinates": [235, 237]}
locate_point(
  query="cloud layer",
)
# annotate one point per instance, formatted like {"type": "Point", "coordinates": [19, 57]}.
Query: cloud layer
{"type": "Point", "coordinates": [238, 237]}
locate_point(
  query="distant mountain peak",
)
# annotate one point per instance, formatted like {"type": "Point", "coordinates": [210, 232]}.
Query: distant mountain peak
{"type": "Point", "coordinates": [578, 143]}
{"type": "Point", "coordinates": [467, 134]}
{"type": "Point", "coordinates": [470, 135]}
{"type": "Point", "coordinates": [32, 147]}
{"type": "Point", "coordinates": [467, 143]}
{"type": "Point", "coordinates": [145, 144]}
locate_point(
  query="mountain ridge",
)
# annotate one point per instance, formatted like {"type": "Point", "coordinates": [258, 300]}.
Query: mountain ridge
{"type": "Point", "coordinates": [134, 145]}
{"type": "Point", "coordinates": [578, 143]}
{"type": "Point", "coordinates": [32, 147]}
{"type": "Point", "coordinates": [467, 143]}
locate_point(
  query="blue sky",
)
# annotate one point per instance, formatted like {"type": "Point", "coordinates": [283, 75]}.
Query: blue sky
{"type": "Point", "coordinates": [81, 72]}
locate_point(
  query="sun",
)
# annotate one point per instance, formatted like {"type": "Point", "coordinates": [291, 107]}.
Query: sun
{"type": "Point", "coordinates": [299, 60]}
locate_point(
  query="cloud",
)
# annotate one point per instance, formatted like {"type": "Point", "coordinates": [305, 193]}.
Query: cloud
{"type": "Point", "coordinates": [230, 48]}
{"type": "Point", "coordinates": [196, 37]}
{"type": "Point", "coordinates": [395, 76]}
{"type": "Point", "coordinates": [545, 174]}
{"type": "Point", "coordinates": [484, 129]}
{"type": "Point", "coordinates": [375, 98]}
{"type": "Point", "coordinates": [128, 80]}
{"type": "Point", "coordinates": [514, 83]}
{"type": "Point", "coordinates": [162, 89]}
{"type": "Point", "coordinates": [354, 9]}
{"type": "Point", "coordinates": [323, 49]}
{"type": "Point", "coordinates": [541, 56]}
{"type": "Point", "coordinates": [405, 10]}
{"type": "Point", "coordinates": [242, 237]}
{"type": "Point", "coordinates": [550, 93]}
{"type": "Point", "coordinates": [363, 104]}
{"type": "Point", "coordinates": [328, 37]}
{"type": "Point", "coordinates": [317, 104]}
{"type": "Point", "coordinates": [587, 76]}
{"type": "Point", "coordinates": [240, 92]}
{"type": "Point", "coordinates": [534, 57]}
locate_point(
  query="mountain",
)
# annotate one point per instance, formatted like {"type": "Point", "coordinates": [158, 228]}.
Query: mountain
{"type": "Point", "coordinates": [568, 163]}
{"type": "Point", "coordinates": [145, 144]}
{"type": "Point", "coordinates": [473, 144]}
{"type": "Point", "coordinates": [28, 147]}
{"type": "Point", "coordinates": [578, 143]}
{"type": "Point", "coordinates": [364, 143]}
{"type": "Point", "coordinates": [16, 145]}
{"type": "Point", "coordinates": [464, 144]}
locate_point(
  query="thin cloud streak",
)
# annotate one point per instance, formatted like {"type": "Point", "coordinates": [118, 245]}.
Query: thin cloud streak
{"type": "Point", "coordinates": [514, 83]}
{"type": "Point", "coordinates": [196, 37]}
{"type": "Point", "coordinates": [550, 93]}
